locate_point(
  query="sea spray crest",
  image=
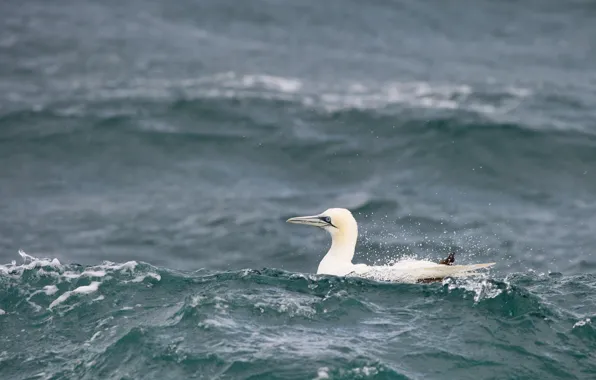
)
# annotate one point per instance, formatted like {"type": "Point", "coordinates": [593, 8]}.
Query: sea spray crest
{"type": "Point", "coordinates": [26, 256]}
{"type": "Point", "coordinates": [29, 262]}
{"type": "Point", "coordinates": [364, 372]}
{"type": "Point", "coordinates": [347, 95]}
{"type": "Point", "coordinates": [29, 280]}
{"type": "Point", "coordinates": [87, 289]}
{"type": "Point", "coordinates": [331, 96]}
{"type": "Point", "coordinates": [284, 304]}
{"type": "Point", "coordinates": [482, 288]}
{"type": "Point", "coordinates": [50, 289]}
{"type": "Point", "coordinates": [141, 278]}
{"type": "Point", "coordinates": [66, 271]}
{"type": "Point", "coordinates": [582, 322]}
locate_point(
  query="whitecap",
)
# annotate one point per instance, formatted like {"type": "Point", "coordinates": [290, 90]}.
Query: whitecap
{"type": "Point", "coordinates": [322, 373]}
{"type": "Point", "coordinates": [482, 289]}
{"type": "Point", "coordinates": [98, 333]}
{"type": "Point", "coordinates": [94, 273]}
{"type": "Point", "coordinates": [86, 289]}
{"type": "Point", "coordinates": [287, 85]}
{"type": "Point", "coordinates": [141, 278]}
{"type": "Point", "coordinates": [582, 322]}
{"type": "Point", "coordinates": [50, 289]}
{"type": "Point", "coordinates": [218, 322]}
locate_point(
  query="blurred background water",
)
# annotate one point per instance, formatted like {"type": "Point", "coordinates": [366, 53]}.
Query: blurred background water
{"type": "Point", "coordinates": [180, 135]}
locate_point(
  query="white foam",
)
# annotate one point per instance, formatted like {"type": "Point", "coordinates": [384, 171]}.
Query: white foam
{"type": "Point", "coordinates": [2, 312]}
{"type": "Point", "coordinates": [60, 299]}
{"type": "Point", "coordinates": [50, 289]}
{"type": "Point", "coordinates": [29, 263]}
{"type": "Point", "coordinates": [87, 289]}
{"type": "Point", "coordinates": [128, 266]}
{"type": "Point", "coordinates": [25, 256]}
{"type": "Point", "coordinates": [143, 277]}
{"type": "Point", "coordinates": [292, 306]}
{"type": "Point", "coordinates": [71, 275]}
{"type": "Point", "coordinates": [415, 94]}
{"type": "Point", "coordinates": [366, 371]}
{"type": "Point", "coordinates": [582, 322]}
{"type": "Point", "coordinates": [58, 272]}
{"type": "Point", "coordinates": [330, 96]}
{"type": "Point", "coordinates": [287, 85]}
{"type": "Point", "coordinates": [363, 372]}
{"type": "Point", "coordinates": [220, 304]}
{"type": "Point", "coordinates": [218, 322]}
{"type": "Point", "coordinates": [95, 336]}
{"type": "Point", "coordinates": [482, 289]}
{"type": "Point", "coordinates": [94, 273]}
{"type": "Point", "coordinates": [196, 300]}
{"type": "Point", "coordinates": [322, 373]}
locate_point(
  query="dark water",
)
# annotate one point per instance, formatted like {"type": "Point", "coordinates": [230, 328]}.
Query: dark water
{"type": "Point", "coordinates": [162, 145]}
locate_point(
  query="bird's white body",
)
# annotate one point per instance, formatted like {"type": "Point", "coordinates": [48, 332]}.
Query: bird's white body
{"type": "Point", "coordinates": [343, 229]}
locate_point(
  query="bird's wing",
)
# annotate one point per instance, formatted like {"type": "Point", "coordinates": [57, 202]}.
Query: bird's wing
{"type": "Point", "coordinates": [417, 270]}
{"type": "Point", "coordinates": [451, 270]}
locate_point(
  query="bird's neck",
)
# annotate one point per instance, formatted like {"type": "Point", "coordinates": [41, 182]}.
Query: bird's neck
{"type": "Point", "coordinates": [338, 260]}
{"type": "Point", "coordinates": [343, 246]}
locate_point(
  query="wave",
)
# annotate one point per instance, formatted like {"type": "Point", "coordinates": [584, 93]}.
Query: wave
{"type": "Point", "coordinates": [454, 136]}
{"type": "Point", "coordinates": [330, 97]}
{"type": "Point", "coordinates": [189, 121]}
{"type": "Point", "coordinates": [135, 319]}
{"type": "Point", "coordinates": [48, 281]}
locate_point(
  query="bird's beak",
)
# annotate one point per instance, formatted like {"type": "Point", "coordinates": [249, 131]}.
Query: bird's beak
{"type": "Point", "coordinates": [314, 220]}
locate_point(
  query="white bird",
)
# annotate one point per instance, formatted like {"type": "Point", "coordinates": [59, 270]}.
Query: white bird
{"type": "Point", "coordinates": [343, 229]}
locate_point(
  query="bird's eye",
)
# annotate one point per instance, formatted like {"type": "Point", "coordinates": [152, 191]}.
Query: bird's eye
{"type": "Point", "coordinates": [326, 219]}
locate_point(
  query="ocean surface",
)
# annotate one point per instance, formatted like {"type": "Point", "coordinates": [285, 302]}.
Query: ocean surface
{"type": "Point", "coordinates": [151, 151]}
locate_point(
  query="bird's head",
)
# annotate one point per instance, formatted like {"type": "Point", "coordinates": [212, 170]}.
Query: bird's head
{"type": "Point", "coordinates": [336, 221]}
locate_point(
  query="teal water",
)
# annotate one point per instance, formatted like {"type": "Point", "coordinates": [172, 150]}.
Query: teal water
{"type": "Point", "coordinates": [133, 320]}
{"type": "Point", "coordinates": [181, 135]}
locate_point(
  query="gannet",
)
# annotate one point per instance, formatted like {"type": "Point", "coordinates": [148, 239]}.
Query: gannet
{"type": "Point", "coordinates": [341, 225]}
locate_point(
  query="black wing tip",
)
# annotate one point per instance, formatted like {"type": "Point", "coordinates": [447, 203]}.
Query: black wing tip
{"type": "Point", "coordinates": [449, 260]}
